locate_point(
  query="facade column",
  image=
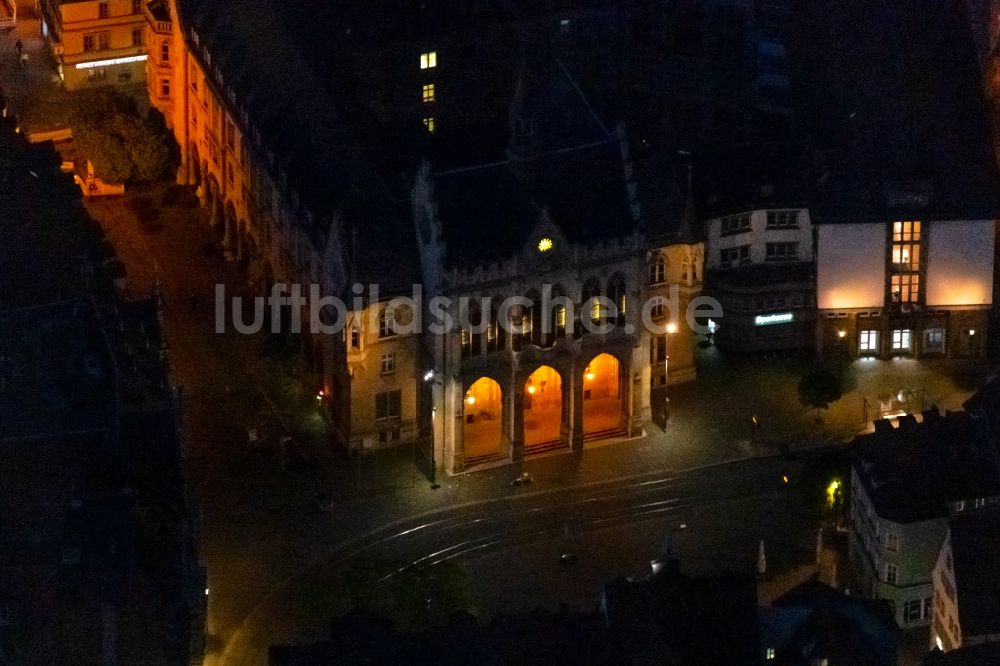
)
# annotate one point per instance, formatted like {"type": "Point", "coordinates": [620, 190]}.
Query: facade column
{"type": "Point", "coordinates": [573, 407]}
{"type": "Point", "coordinates": [516, 402]}
{"type": "Point", "coordinates": [631, 387]}
{"type": "Point", "coordinates": [229, 241]}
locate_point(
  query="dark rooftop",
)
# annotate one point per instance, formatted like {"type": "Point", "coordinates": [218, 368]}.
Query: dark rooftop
{"type": "Point", "coordinates": [675, 619]}
{"type": "Point", "coordinates": [486, 212]}
{"type": "Point", "coordinates": [913, 472]}
{"type": "Point", "coordinates": [813, 621]}
{"type": "Point", "coordinates": [975, 546]}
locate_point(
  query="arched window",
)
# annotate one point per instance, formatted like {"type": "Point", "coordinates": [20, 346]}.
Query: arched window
{"type": "Point", "coordinates": [657, 309]}
{"type": "Point", "coordinates": [593, 308]}
{"type": "Point", "coordinates": [658, 269]}
{"type": "Point", "coordinates": [496, 333]}
{"type": "Point", "coordinates": [617, 294]}
{"type": "Point", "coordinates": [472, 340]}
{"type": "Point", "coordinates": [386, 323]}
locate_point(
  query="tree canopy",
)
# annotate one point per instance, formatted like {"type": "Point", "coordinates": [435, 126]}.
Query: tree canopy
{"type": "Point", "coordinates": [123, 146]}
{"type": "Point", "coordinates": [818, 388]}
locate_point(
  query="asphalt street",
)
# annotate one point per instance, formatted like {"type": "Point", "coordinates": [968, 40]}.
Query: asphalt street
{"type": "Point", "coordinates": [612, 528]}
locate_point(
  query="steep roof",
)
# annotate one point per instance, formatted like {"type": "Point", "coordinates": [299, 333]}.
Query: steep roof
{"type": "Point", "coordinates": [487, 212]}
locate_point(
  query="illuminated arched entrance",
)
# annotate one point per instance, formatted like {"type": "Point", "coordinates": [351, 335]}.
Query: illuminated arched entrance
{"type": "Point", "coordinates": [602, 398]}
{"type": "Point", "coordinates": [482, 428]}
{"type": "Point", "coordinates": [542, 409]}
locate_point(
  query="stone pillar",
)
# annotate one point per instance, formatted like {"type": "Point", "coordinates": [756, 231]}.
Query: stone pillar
{"type": "Point", "coordinates": [516, 402]}
{"type": "Point", "coordinates": [573, 407]}
{"type": "Point", "coordinates": [215, 218]}
{"type": "Point", "coordinates": [229, 241]}
{"type": "Point", "coordinates": [241, 247]}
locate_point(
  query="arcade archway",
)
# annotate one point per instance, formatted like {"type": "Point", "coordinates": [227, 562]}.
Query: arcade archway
{"type": "Point", "coordinates": [482, 427]}
{"type": "Point", "coordinates": [542, 409]}
{"type": "Point", "coordinates": [602, 398]}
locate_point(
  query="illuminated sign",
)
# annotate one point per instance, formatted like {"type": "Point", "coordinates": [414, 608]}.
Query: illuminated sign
{"type": "Point", "coordinates": [110, 61]}
{"type": "Point", "coordinates": [768, 320]}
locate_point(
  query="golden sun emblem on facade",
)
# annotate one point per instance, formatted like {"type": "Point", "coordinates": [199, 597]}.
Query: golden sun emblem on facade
{"type": "Point", "coordinates": [545, 244]}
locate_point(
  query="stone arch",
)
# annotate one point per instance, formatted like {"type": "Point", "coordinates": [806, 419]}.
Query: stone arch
{"type": "Point", "coordinates": [605, 394]}
{"type": "Point", "coordinates": [482, 422]}
{"type": "Point", "coordinates": [544, 409]}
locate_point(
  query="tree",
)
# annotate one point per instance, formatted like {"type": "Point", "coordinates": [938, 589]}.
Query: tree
{"type": "Point", "coordinates": [818, 388]}
{"type": "Point", "coordinates": [122, 145]}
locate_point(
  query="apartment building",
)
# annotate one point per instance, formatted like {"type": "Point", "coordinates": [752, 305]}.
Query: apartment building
{"type": "Point", "coordinates": [966, 601]}
{"type": "Point", "coordinates": [905, 483]}
{"type": "Point", "coordinates": [96, 42]}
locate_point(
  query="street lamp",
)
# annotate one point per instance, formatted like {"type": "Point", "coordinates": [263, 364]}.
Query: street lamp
{"type": "Point", "coordinates": [671, 329]}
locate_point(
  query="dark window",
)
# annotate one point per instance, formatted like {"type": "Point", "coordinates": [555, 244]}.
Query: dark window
{"type": "Point", "coordinates": [782, 219]}
{"type": "Point", "coordinates": [781, 252]}
{"type": "Point", "coordinates": [735, 224]}
{"type": "Point", "coordinates": [388, 405]}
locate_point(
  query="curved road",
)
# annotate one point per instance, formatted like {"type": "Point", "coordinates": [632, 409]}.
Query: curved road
{"type": "Point", "coordinates": [467, 532]}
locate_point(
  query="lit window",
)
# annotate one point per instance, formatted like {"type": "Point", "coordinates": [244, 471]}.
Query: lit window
{"type": "Point", "coordinates": [901, 339]}
{"type": "Point", "coordinates": [770, 654]}
{"type": "Point", "coordinates": [905, 288]}
{"type": "Point", "coordinates": [428, 92]}
{"type": "Point", "coordinates": [891, 573]}
{"type": "Point", "coordinates": [387, 362]}
{"type": "Point", "coordinates": [428, 60]}
{"type": "Point", "coordinates": [429, 124]}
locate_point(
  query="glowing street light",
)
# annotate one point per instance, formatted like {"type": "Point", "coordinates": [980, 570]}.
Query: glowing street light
{"type": "Point", "coordinates": [671, 329]}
